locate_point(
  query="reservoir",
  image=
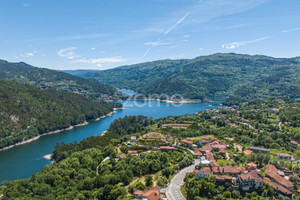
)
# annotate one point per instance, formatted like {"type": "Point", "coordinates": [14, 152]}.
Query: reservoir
{"type": "Point", "coordinates": [24, 160]}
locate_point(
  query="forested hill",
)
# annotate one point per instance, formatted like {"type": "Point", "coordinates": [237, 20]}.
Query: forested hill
{"type": "Point", "coordinates": [27, 111]}
{"type": "Point", "coordinates": [238, 75]}
{"type": "Point", "coordinates": [50, 79]}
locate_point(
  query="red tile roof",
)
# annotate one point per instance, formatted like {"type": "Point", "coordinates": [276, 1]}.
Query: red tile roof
{"type": "Point", "coordinates": [294, 142]}
{"type": "Point", "coordinates": [167, 147]}
{"type": "Point", "coordinates": [253, 175]}
{"type": "Point", "coordinates": [218, 146]}
{"type": "Point", "coordinates": [206, 148]}
{"type": "Point", "coordinates": [209, 156]}
{"type": "Point", "coordinates": [271, 168]}
{"type": "Point", "coordinates": [122, 156]}
{"type": "Point", "coordinates": [205, 170]}
{"type": "Point", "coordinates": [152, 194]}
{"type": "Point", "coordinates": [283, 155]}
{"type": "Point", "coordinates": [280, 180]}
{"type": "Point", "coordinates": [251, 165]}
{"type": "Point", "coordinates": [186, 142]}
{"type": "Point", "coordinates": [227, 169]}
{"type": "Point", "coordinates": [214, 164]}
{"type": "Point", "coordinates": [278, 187]}
{"type": "Point", "coordinates": [189, 138]}
{"type": "Point", "coordinates": [133, 152]}
{"type": "Point", "coordinates": [248, 152]}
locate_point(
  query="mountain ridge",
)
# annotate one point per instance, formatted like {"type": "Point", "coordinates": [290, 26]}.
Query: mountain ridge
{"type": "Point", "coordinates": [43, 78]}
{"type": "Point", "coordinates": [218, 74]}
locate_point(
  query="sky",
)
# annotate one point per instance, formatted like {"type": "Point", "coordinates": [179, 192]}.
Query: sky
{"type": "Point", "coordinates": [101, 34]}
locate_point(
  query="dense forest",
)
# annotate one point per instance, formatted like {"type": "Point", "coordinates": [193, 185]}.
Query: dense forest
{"type": "Point", "coordinates": [27, 111]}
{"type": "Point", "coordinates": [243, 77]}
{"type": "Point", "coordinates": [49, 79]}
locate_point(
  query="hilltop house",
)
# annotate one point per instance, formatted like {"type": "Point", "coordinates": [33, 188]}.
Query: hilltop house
{"type": "Point", "coordinates": [250, 180]}
{"type": "Point", "coordinates": [152, 194]}
{"type": "Point", "coordinates": [166, 148]}
{"type": "Point", "coordinates": [203, 173]}
{"type": "Point", "coordinates": [284, 156]}
{"type": "Point", "coordinates": [186, 142]}
{"type": "Point", "coordinates": [251, 166]}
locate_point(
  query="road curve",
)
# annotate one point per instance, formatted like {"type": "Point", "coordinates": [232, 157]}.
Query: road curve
{"type": "Point", "coordinates": [173, 190]}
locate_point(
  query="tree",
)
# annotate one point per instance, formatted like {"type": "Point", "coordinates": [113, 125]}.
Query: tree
{"type": "Point", "coordinates": [227, 194]}
{"type": "Point", "coordinates": [236, 194]}
{"type": "Point", "coordinates": [149, 181]}
{"type": "Point", "coordinates": [162, 182]}
{"type": "Point", "coordinates": [140, 186]}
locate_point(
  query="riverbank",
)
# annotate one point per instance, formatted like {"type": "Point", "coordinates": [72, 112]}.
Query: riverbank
{"type": "Point", "coordinates": [57, 131]}
{"type": "Point", "coordinates": [108, 114]}
{"type": "Point", "coordinates": [43, 134]}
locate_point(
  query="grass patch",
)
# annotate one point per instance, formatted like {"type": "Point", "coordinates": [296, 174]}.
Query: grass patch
{"type": "Point", "coordinates": [183, 191]}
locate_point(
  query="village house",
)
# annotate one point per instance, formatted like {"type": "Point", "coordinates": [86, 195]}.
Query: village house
{"type": "Point", "coordinates": [198, 154]}
{"type": "Point", "coordinates": [229, 139]}
{"type": "Point", "coordinates": [205, 148]}
{"type": "Point", "coordinates": [203, 142]}
{"type": "Point", "coordinates": [218, 147]}
{"type": "Point", "coordinates": [287, 123]}
{"type": "Point", "coordinates": [272, 174]}
{"type": "Point", "coordinates": [203, 173]}
{"type": "Point", "coordinates": [166, 148]}
{"type": "Point", "coordinates": [281, 181]}
{"type": "Point", "coordinates": [192, 139]}
{"type": "Point", "coordinates": [294, 143]}
{"type": "Point", "coordinates": [209, 156]}
{"type": "Point", "coordinates": [282, 191]}
{"type": "Point", "coordinates": [152, 194]}
{"type": "Point", "coordinates": [186, 142]}
{"type": "Point", "coordinates": [230, 170]}
{"type": "Point", "coordinates": [206, 138]}
{"type": "Point", "coordinates": [284, 156]}
{"type": "Point", "coordinates": [251, 166]}
{"type": "Point", "coordinates": [122, 156]}
{"type": "Point", "coordinates": [224, 179]}
{"type": "Point", "coordinates": [248, 152]}
{"type": "Point", "coordinates": [133, 152]}
{"type": "Point", "coordinates": [250, 180]}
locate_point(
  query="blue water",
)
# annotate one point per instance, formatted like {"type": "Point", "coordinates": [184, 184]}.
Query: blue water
{"type": "Point", "coordinates": [24, 160]}
{"type": "Point", "coordinates": [127, 92]}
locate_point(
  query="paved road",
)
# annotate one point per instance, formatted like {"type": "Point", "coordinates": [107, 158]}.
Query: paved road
{"type": "Point", "coordinates": [173, 190]}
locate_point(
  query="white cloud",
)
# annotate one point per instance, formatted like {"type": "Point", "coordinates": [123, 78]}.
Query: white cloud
{"type": "Point", "coordinates": [157, 43]}
{"type": "Point", "coordinates": [185, 40]}
{"type": "Point", "coordinates": [25, 4]}
{"type": "Point", "coordinates": [201, 49]}
{"type": "Point", "coordinates": [68, 53]}
{"type": "Point", "coordinates": [234, 45]}
{"type": "Point", "coordinates": [187, 36]}
{"type": "Point", "coordinates": [100, 61]}
{"type": "Point", "coordinates": [93, 48]}
{"type": "Point", "coordinates": [291, 30]}
{"type": "Point", "coordinates": [29, 54]}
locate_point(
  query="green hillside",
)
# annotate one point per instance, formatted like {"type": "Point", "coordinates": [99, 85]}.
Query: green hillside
{"type": "Point", "coordinates": [27, 111]}
{"type": "Point", "coordinates": [50, 79]}
{"type": "Point", "coordinates": [237, 75]}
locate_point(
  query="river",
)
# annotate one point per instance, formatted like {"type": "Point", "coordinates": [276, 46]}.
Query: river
{"type": "Point", "coordinates": [24, 160]}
